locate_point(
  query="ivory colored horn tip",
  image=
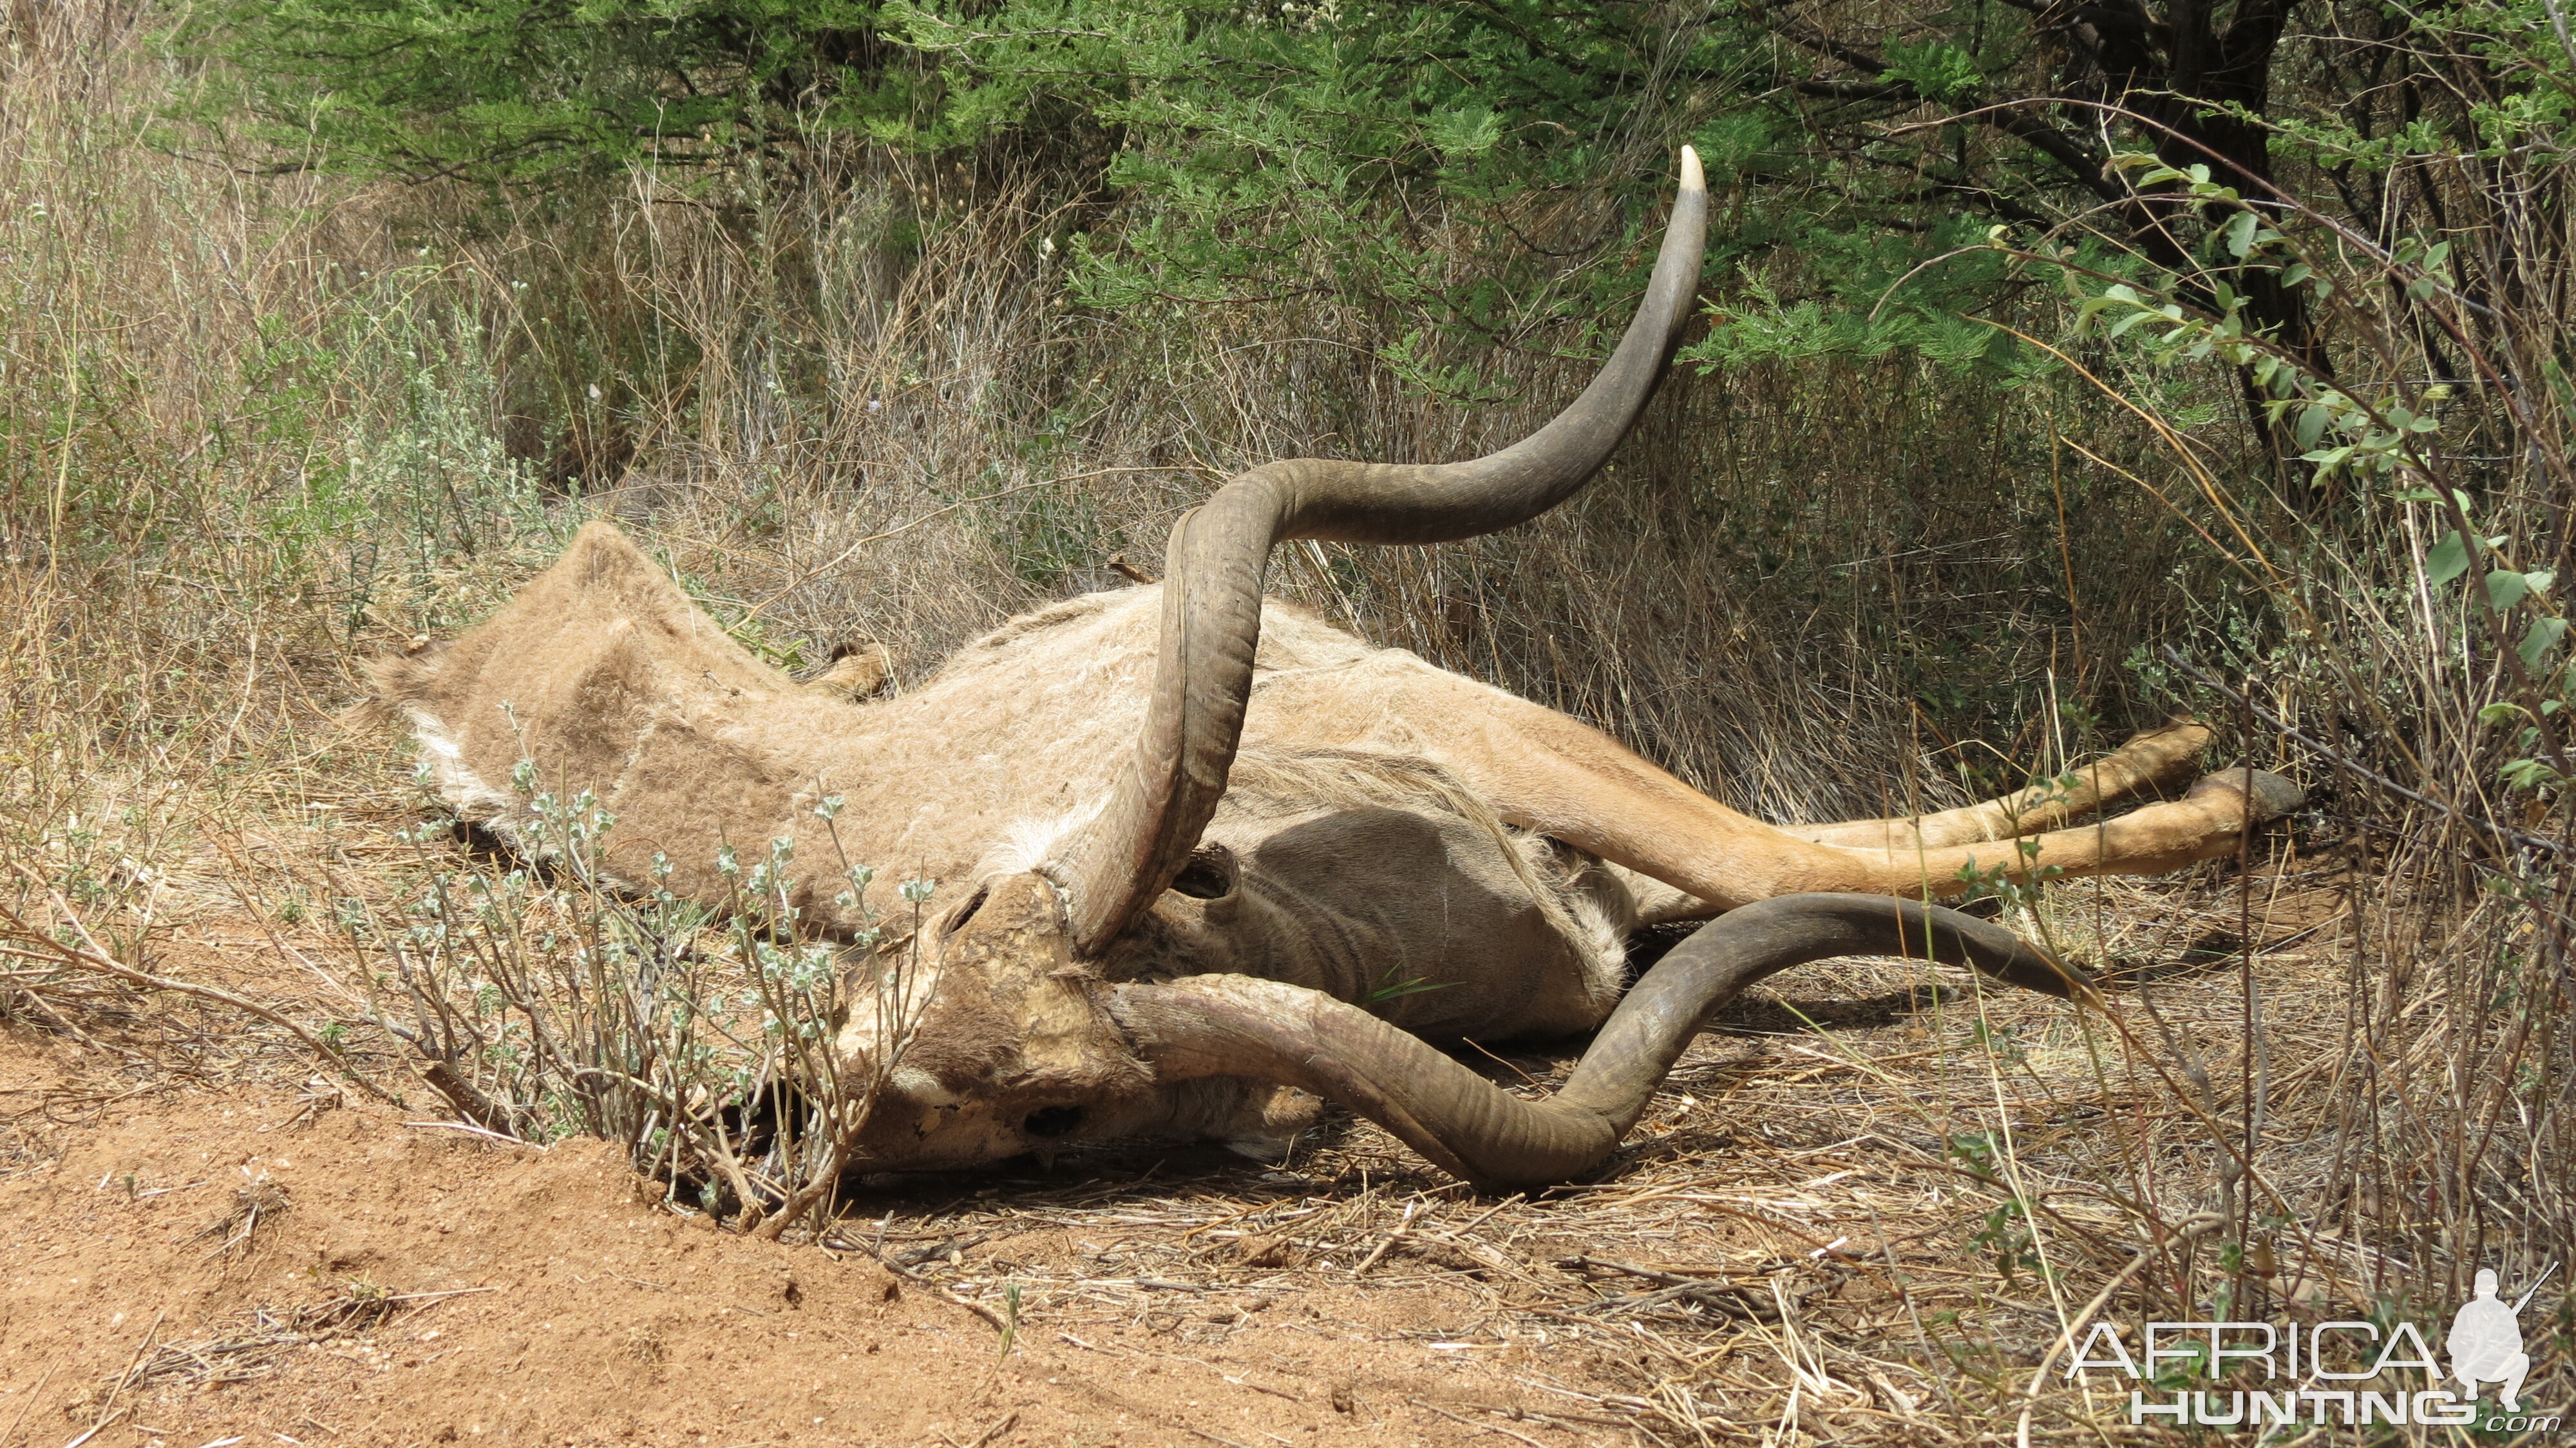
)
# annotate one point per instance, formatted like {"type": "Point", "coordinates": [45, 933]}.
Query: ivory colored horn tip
{"type": "Point", "coordinates": [1692, 178]}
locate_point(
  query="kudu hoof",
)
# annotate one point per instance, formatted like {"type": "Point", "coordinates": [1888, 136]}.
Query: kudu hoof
{"type": "Point", "coordinates": [2267, 796]}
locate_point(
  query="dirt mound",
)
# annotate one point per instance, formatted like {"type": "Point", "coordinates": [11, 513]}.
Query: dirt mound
{"type": "Point", "coordinates": [258, 1267]}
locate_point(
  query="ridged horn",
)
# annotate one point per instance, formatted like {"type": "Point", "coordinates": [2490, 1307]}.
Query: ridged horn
{"type": "Point", "coordinates": [1234, 1025]}
{"type": "Point", "coordinates": [1116, 867]}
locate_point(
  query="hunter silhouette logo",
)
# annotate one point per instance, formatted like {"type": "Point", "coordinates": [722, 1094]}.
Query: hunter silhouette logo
{"type": "Point", "coordinates": [2328, 1373]}
{"type": "Point", "coordinates": [2486, 1340]}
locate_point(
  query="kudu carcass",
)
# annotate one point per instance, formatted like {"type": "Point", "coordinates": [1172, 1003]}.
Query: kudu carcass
{"type": "Point", "coordinates": [1202, 854]}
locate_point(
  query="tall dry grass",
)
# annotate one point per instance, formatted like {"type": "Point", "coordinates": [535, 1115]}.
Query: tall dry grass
{"type": "Point", "coordinates": [253, 429]}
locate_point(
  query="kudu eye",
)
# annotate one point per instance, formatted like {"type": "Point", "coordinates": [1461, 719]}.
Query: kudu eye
{"type": "Point", "coordinates": [1052, 1121]}
{"type": "Point", "coordinates": [1210, 874]}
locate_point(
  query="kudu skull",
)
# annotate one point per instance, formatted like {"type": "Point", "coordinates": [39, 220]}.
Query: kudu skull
{"type": "Point", "coordinates": [1207, 858]}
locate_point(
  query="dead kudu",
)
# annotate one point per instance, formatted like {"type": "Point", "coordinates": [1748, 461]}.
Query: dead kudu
{"type": "Point", "coordinates": [1205, 855]}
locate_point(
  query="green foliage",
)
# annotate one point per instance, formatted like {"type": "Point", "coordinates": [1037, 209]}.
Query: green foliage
{"type": "Point", "coordinates": [536, 90]}
{"type": "Point", "coordinates": [1213, 155]}
{"type": "Point", "coordinates": [1867, 296]}
{"type": "Point", "coordinates": [399, 483]}
{"type": "Point", "coordinates": [1936, 69]}
{"type": "Point", "coordinates": [1203, 156]}
{"type": "Point", "coordinates": [2385, 437]}
{"type": "Point", "coordinates": [1323, 149]}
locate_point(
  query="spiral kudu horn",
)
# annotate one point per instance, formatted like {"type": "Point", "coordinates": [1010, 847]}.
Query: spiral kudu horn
{"type": "Point", "coordinates": [1233, 1025]}
{"type": "Point", "coordinates": [1123, 860]}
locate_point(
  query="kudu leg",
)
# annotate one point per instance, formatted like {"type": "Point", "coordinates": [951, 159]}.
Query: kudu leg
{"type": "Point", "coordinates": [2156, 757]}
{"type": "Point", "coordinates": [1546, 772]}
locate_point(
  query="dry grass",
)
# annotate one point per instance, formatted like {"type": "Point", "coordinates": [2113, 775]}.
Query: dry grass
{"type": "Point", "coordinates": [252, 430]}
{"type": "Point", "coordinates": [253, 1345]}
{"type": "Point", "coordinates": [249, 1347]}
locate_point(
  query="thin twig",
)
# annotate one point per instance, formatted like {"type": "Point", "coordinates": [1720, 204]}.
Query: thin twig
{"type": "Point", "coordinates": [473, 1130]}
{"type": "Point", "coordinates": [101, 1426]}
{"type": "Point", "coordinates": [441, 1296]}
{"type": "Point", "coordinates": [995, 1319]}
{"type": "Point", "coordinates": [23, 1408]}
{"type": "Point", "coordinates": [1392, 1238]}
{"type": "Point", "coordinates": [1473, 1424]}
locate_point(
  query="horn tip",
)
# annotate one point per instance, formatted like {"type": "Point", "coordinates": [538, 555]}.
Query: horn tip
{"type": "Point", "coordinates": [1692, 177]}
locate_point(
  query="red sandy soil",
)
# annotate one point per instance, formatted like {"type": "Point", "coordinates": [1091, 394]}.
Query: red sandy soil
{"type": "Point", "coordinates": [579, 1315]}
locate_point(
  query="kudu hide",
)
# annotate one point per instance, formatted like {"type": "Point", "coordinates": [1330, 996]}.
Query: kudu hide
{"type": "Point", "coordinates": [1201, 854]}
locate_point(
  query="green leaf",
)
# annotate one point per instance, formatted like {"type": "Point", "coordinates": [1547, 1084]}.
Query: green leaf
{"type": "Point", "coordinates": [2446, 560]}
{"type": "Point", "coordinates": [2506, 588]}
{"type": "Point", "coordinates": [2240, 232]}
{"type": "Point", "coordinates": [2542, 638]}
{"type": "Point", "coordinates": [1463, 134]}
{"type": "Point", "coordinates": [2529, 774]}
{"type": "Point", "coordinates": [2312, 423]}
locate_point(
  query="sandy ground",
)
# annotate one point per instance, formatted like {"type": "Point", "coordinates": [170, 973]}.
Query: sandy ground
{"type": "Point", "coordinates": [527, 1296]}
